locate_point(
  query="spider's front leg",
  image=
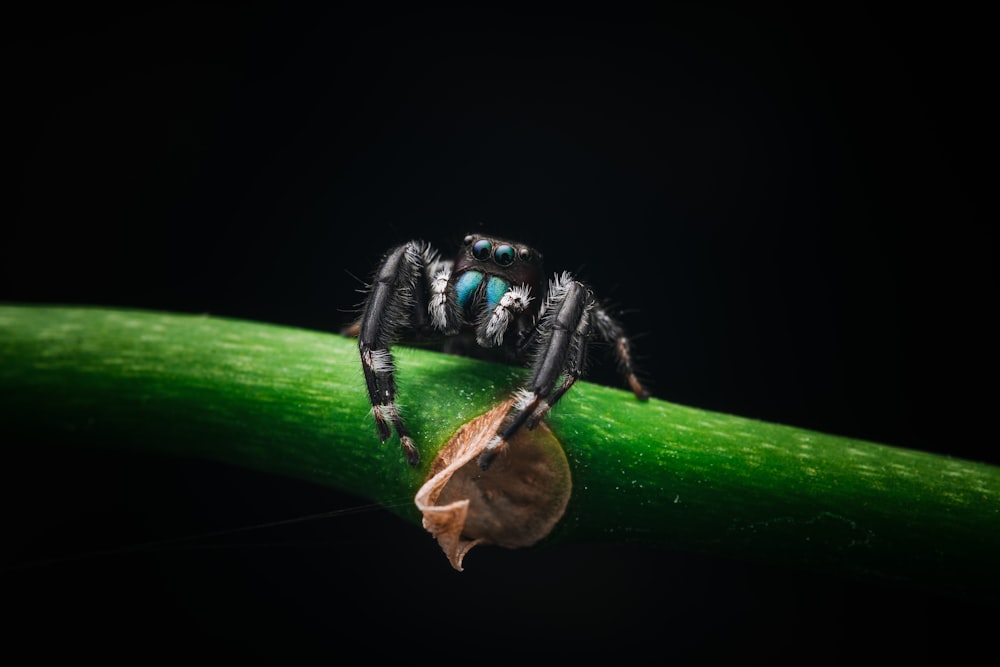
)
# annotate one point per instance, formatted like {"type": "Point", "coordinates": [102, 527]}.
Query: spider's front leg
{"type": "Point", "coordinates": [561, 337]}
{"type": "Point", "coordinates": [398, 298]}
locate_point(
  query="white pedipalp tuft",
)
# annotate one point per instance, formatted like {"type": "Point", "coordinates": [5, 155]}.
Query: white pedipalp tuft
{"type": "Point", "coordinates": [514, 301]}
{"type": "Point", "coordinates": [517, 298]}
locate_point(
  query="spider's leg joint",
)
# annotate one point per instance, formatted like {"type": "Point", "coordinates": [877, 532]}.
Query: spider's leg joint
{"type": "Point", "coordinates": [525, 399]}
{"type": "Point", "coordinates": [494, 448]}
{"type": "Point", "coordinates": [538, 414]}
{"type": "Point", "coordinates": [379, 361]}
{"type": "Point", "coordinates": [385, 414]}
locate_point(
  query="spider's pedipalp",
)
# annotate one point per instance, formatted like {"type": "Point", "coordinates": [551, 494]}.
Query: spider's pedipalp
{"type": "Point", "coordinates": [513, 302]}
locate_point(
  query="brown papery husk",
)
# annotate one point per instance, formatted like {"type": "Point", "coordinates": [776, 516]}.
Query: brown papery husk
{"type": "Point", "coordinates": [515, 503]}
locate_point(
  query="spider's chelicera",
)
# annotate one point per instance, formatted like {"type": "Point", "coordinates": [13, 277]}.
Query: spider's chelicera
{"type": "Point", "coordinates": [496, 290]}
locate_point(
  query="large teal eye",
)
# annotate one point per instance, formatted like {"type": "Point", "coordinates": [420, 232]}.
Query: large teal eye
{"type": "Point", "coordinates": [482, 249]}
{"type": "Point", "coordinates": [504, 255]}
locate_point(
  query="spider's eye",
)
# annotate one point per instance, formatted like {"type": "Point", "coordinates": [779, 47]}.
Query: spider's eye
{"type": "Point", "coordinates": [524, 254]}
{"type": "Point", "coordinates": [504, 255]}
{"type": "Point", "coordinates": [481, 249]}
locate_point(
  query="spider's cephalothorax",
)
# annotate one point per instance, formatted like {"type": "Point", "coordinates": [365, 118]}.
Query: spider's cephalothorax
{"type": "Point", "coordinates": [496, 289]}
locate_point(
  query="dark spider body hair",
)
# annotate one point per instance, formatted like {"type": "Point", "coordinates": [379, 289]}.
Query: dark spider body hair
{"type": "Point", "coordinates": [495, 289]}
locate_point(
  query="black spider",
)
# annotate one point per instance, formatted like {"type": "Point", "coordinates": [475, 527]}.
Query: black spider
{"type": "Point", "coordinates": [495, 289]}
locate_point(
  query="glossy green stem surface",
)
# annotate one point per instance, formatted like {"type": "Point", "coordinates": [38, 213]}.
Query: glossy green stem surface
{"type": "Point", "coordinates": [293, 402]}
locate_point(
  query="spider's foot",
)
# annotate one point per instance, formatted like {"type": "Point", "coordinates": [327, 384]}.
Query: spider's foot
{"type": "Point", "coordinates": [384, 415]}
{"type": "Point", "coordinates": [640, 392]}
{"type": "Point", "coordinates": [488, 455]}
{"type": "Point", "coordinates": [537, 416]}
{"type": "Point", "coordinates": [384, 431]}
{"type": "Point", "coordinates": [412, 455]}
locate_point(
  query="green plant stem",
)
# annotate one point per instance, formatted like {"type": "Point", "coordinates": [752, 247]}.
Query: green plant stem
{"type": "Point", "coordinates": [293, 402]}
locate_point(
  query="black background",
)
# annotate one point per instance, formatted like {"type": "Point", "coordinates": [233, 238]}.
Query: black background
{"type": "Point", "coordinates": [782, 206]}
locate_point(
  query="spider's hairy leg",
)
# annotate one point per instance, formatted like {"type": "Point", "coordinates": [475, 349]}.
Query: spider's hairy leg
{"type": "Point", "coordinates": [522, 408]}
{"type": "Point", "coordinates": [393, 303]}
{"type": "Point", "coordinates": [561, 353]}
{"type": "Point", "coordinates": [614, 334]}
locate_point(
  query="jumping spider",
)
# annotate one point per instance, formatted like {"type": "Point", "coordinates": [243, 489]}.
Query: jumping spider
{"type": "Point", "coordinates": [496, 290]}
